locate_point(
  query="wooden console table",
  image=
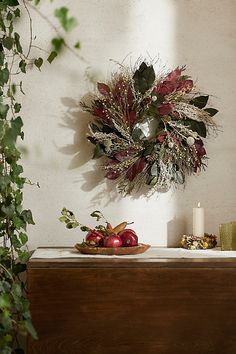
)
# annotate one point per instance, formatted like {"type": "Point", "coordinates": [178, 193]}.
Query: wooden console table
{"type": "Point", "coordinates": [120, 306]}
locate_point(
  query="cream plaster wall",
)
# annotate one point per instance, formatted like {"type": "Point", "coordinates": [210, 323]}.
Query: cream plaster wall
{"type": "Point", "coordinates": [198, 33]}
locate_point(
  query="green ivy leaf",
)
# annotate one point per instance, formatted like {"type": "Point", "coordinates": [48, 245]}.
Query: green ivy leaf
{"type": "Point", "coordinates": [22, 65]}
{"type": "Point", "coordinates": [11, 2]}
{"type": "Point", "coordinates": [57, 44]}
{"type": "Point", "coordinates": [68, 23]}
{"type": "Point", "coordinates": [77, 45]}
{"type": "Point", "coordinates": [2, 58]}
{"type": "Point", "coordinates": [23, 256]}
{"type": "Point", "coordinates": [27, 217]}
{"type": "Point", "coordinates": [3, 110]}
{"type": "Point", "coordinates": [8, 42]}
{"type": "Point", "coordinates": [9, 16]}
{"type": "Point", "coordinates": [38, 62]}
{"type": "Point", "coordinates": [17, 107]}
{"type": "Point", "coordinates": [17, 42]}
{"type": "Point", "coordinates": [23, 238]}
{"type": "Point", "coordinates": [30, 328]}
{"type": "Point", "coordinates": [5, 301]}
{"type": "Point", "coordinates": [17, 12]}
{"type": "Point", "coordinates": [4, 76]}
{"type": "Point", "coordinates": [52, 56]}
{"type": "Point", "coordinates": [200, 101]}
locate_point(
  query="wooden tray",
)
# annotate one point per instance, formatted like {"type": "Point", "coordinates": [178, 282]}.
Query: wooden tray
{"type": "Point", "coordinates": [141, 248]}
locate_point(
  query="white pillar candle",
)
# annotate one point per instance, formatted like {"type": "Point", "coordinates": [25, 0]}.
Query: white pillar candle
{"type": "Point", "coordinates": [198, 221]}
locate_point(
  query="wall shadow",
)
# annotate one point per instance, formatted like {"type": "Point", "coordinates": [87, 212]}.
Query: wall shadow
{"type": "Point", "coordinates": [77, 121]}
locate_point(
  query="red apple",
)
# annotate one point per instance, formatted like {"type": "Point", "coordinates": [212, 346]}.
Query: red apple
{"type": "Point", "coordinates": [129, 238]}
{"type": "Point", "coordinates": [95, 238]}
{"type": "Point", "coordinates": [113, 241]}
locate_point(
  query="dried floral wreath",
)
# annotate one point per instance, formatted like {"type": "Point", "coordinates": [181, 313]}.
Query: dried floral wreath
{"type": "Point", "coordinates": [149, 127]}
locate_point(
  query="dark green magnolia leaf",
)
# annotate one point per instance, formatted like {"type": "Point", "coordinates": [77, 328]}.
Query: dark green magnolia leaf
{"type": "Point", "coordinates": [52, 56]}
{"type": "Point", "coordinates": [68, 23]}
{"type": "Point", "coordinates": [200, 101]}
{"type": "Point", "coordinates": [196, 126]}
{"type": "Point", "coordinates": [17, 42]}
{"type": "Point", "coordinates": [36, 2]}
{"type": "Point", "coordinates": [144, 77]}
{"type": "Point", "coordinates": [137, 134]}
{"type": "Point", "coordinates": [22, 65]}
{"type": "Point", "coordinates": [92, 140]}
{"type": "Point", "coordinates": [148, 150]}
{"type": "Point", "coordinates": [58, 43]}
{"type": "Point", "coordinates": [94, 127]}
{"type": "Point", "coordinates": [211, 111]}
{"type": "Point", "coordinates": [38, 62]}
{"type": "Point", "coordinates": [77, 45]}
{"type": "Point", "coordinates": [98, 151]}
{"type": "Point", "coordinates": [8, 42]}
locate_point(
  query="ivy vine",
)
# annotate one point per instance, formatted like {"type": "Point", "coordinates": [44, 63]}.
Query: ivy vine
{"type": "Point", "coordinates": [15, 317]}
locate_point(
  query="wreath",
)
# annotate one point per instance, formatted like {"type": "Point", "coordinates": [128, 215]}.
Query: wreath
{"type": "Point", "coordinates": [150, 127]}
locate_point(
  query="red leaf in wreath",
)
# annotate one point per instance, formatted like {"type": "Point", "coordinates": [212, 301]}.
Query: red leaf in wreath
{"type": "Point", "coordinates": [162, 137]}
{"type": "Point", "coordinates": [175, 74]}
{"type": "Point", "coordinates": [131, 117]}
{"type": "Point", "coordinates": [99, 112]}
{"type": "Point", "coordinates": [130, 97]}
{"type": "Point", "coordinates": [200, 148]}
{"type": "Point", "coordinates": [165, 88]}
{"type": "Point", "coordinates": [122, 155]}
{"type": "Point", "coordinates": [165, 109]}
{"type": "Point", "coordinates": [185, 85]}
{"type": "Point", "coordinates": [103, 88]}
{"type": "Point", "coordinates": [136, 168]}
{"type": "Point", "coordinates": [112, 174]}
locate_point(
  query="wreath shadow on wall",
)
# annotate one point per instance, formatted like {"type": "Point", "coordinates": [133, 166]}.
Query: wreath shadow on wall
{"type": "Point", "coordinates": [81, 152]}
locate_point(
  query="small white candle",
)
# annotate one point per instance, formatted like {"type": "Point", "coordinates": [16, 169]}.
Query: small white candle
{"type": "Point", "coordinates": [198, 221]}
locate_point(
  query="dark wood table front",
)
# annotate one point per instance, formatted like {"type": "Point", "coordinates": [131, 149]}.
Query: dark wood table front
{"type": "Point", "coordinates": [125, 306]}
